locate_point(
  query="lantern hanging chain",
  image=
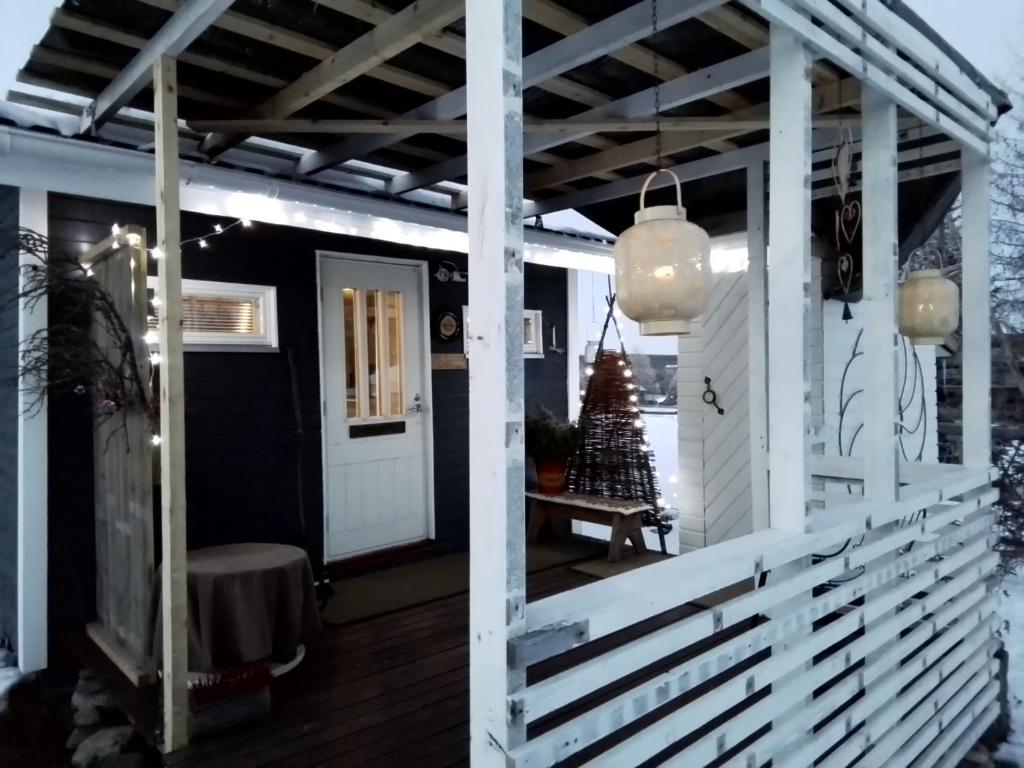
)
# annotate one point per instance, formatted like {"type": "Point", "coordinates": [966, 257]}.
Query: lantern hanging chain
{"type": "Point", "coordinates": [657, 88]}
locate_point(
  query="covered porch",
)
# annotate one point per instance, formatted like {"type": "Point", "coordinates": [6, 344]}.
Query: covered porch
{"type": "Point", "coordinates": [855, 623]}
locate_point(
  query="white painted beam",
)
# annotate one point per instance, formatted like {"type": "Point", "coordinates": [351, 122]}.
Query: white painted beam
{"type": "Point", "coordinates": [686, 89]}
{"type": "Point", "coordinates": [757, 343]}
{"type": "Point", "coordinates": [401, 31]}
{"type": "Point", "coordinates": [33, 490]}
{"type": "Point", "coordinates": [691, 171]}
{"type": "Point", "coordinates": [880, 254]}
{"type": "Point", "coordinates": [780, 13]}
{"type": "Point", "coordinates": [977, 328]}
{"type": "Point", "coordinates": [187, 23]}
{"type": "Point", "coordinates": [612, 33]}
{"type": "Point", "coordinates": [174, 606]}
{"type": "Point", "coordinates": [497, 560]}
{"type": "Point", "coordinates": [789, 268]}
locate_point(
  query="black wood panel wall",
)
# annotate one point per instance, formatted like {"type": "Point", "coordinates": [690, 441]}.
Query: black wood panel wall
{"type": "Point", "coordinates": [8, 416]}
{"type": "Point", "coordinates": [240, 429]}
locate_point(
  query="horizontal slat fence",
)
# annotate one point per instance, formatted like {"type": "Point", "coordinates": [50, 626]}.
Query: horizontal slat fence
{"type": "Point", "coordinates": [869, 641]}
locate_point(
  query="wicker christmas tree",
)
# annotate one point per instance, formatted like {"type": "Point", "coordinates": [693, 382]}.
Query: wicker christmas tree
{"type": "Point", "coordinates": [614, 459]}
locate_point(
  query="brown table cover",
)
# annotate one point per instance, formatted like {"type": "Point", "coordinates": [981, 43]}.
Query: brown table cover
{"type": "Point", "coordinates": [246, 602]}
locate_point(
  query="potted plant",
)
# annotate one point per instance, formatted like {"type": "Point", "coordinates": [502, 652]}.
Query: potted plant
{"type": "Point", "coordinates": [550, 443]}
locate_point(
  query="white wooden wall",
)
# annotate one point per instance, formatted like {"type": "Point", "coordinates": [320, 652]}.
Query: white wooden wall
{"type": "Point", "coordinates": [714, 450]}
{"type": "Point", "coordinates": [841, 339]}
{"type": "Point", "coordinates": [715, 492]}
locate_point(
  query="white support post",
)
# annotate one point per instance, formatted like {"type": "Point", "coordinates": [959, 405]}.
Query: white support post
{"type": "Point", "coordinates": [172, 409]}
{"type": "Point", "coordinates": [497, 596]}
{"type": "Point", "coordinates": [33, 496]}
{"type": "Point", "coordinates": [789, 267]}
{"type": "Point", "coordinates": [573, 342]}
{"type": "Point", "coordinates": [880, 250]}
{"type": "Point", "coordinates": [757, 348]}
{"type": "Point", "coordinates": [977, 331]}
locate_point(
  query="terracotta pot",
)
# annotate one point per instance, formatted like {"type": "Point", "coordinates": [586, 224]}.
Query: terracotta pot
{"type": "Point", "coordinates": [551, 477]}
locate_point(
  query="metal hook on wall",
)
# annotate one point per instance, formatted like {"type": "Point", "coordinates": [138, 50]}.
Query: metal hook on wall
{"type": "Point", "coordinates": [710, 397]}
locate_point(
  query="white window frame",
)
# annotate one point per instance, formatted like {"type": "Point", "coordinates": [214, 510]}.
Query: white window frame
{"type": "Point", "coordinates": [533, 350]}
{"type": "Point", "coordinates": [265, 297]}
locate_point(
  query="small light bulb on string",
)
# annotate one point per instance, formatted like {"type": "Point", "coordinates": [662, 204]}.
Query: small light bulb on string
{"type": "Point", "coordinates": [155, 301]}
{"type": "Point", "coordinates": [622, 363]}
{"type": "Point", "coordinates": [134, 239]}
{"type": "Point", "coordinates": [631, 386]}
{"type": "Point", "coordinates": [633, 398]}
{"type": "Point", "coordinates": [246, 222]}
{"type": "Point", "coordinates": [203, 243]}
{"type": "Point", "coordinates": [156, 253]}
{"type": "Point", "coordinates": [89, 272]}
{"type": "Point", "coordinates": [154, 358]}
{"type": "Point", "coordinates": [638, 423]}
{"type": "Point", "coordinates": [155, 440]}
{"type": "Point", "coordinates": [589, 371]}
{"type": "Point", "coordinates": [115, 230]}
{"type": "Point", "coordinates": [628, 373]}
{"type": "Point", "coordinates": [151, 337]}
{"type": "Point", "coordinates": [218, 228]}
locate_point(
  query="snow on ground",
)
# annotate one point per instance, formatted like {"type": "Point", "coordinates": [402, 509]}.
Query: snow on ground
{"type": "Point", "coordinates": [1012, 608]}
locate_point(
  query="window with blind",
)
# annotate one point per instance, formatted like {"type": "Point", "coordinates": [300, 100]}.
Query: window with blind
{"type": "Point", "coordinates": [224, 315]}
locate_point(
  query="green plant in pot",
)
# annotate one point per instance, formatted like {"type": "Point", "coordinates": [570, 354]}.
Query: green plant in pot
{"type": "Point", "coordinates": [550, 443]}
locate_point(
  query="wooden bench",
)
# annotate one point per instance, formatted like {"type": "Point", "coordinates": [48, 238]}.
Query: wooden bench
{"type": "Point", "coordinates": [624, 517]}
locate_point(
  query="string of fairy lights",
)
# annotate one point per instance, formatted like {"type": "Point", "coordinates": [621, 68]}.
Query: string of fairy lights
{"type": "Point", "coordinates": [134, 240]}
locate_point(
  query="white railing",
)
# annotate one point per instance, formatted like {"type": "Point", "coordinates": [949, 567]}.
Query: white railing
{"type": "Point", "coordinates": [870, 640]}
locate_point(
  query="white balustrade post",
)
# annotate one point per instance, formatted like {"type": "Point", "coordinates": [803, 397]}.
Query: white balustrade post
{"type": "Point", "coordinates": [789, 270]}
{"type": "Point", "coordinates": [880, 249]}
{"type": "Point", "coordinates": [977, 329]}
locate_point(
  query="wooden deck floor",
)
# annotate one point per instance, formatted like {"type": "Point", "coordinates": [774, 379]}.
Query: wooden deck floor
{"type": "Point", "coordinates": [387, 691]}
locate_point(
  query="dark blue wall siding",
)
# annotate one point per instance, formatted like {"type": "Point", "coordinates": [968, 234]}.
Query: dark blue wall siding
{"type": "Point", "coordinates": [8, 417]}
{"type": "Point", "coordinates": [240, 430]}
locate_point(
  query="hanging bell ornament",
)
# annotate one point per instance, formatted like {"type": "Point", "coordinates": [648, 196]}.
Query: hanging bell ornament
{"type": "Point", "coordinates": [663, 267]}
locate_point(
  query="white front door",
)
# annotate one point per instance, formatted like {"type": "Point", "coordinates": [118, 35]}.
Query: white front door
{"type": "Point", "coordinates": [376, 435]}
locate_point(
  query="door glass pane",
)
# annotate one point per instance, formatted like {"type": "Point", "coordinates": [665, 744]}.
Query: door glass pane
{"type": "Point", "coordinates": [395, 346]}
{"type": "Point", "coordinates": [372, 364]}
{"type": "Point", "coordinates": [349, 300]}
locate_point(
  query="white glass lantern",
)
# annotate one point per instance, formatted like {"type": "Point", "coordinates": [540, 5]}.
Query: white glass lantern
{"type": "Point", "coordinates": [929, 307]}
{"type": "Point", "coordinates": [663, 267]}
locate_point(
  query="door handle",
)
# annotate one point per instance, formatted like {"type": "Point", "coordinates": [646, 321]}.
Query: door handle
{"type": "Point", "coordinates": [417, 406]}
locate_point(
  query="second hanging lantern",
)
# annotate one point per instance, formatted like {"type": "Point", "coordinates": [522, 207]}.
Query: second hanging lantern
{"type": "Point", "coordinates": [663, 267]}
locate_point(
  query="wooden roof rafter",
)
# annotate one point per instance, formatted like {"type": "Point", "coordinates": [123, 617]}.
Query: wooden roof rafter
{"type": "Point", "coordinates": [401, 31]}
{"type": "Point", "coordinates": [185, 25]}
{"type": "Point", "coordinates": [596, 40]}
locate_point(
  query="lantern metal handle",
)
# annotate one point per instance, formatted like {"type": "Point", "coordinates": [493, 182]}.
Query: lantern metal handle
{"type": "Point", "coordinates": [647, 182]}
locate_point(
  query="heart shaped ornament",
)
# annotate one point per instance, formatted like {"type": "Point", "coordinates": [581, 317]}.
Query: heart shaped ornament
{"type": "Point", "coordinates": [849, 220]}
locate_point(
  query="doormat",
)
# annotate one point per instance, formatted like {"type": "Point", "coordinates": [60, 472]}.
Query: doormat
{"type": "Point", "coordinates": [602, 569]}
{"type": "Point", "coordinates": [404, 586]}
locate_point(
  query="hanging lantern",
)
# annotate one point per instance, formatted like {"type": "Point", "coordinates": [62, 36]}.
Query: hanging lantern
{"type": "Point", "coordinates": [929, 307]}
{"type": "Point", "coordinates": [663, 267]}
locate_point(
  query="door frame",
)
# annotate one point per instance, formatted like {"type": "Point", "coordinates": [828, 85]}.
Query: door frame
{"type": "Point", "coordinates": [427, 393]}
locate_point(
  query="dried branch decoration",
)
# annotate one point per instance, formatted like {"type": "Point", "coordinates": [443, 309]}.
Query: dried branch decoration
{"type": "Point", "coordinates": [64, 355]}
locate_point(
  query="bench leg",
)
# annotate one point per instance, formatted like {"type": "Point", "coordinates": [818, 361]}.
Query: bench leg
{"type": "Point", "coordinates": [618, 538]}
{"type": "Point", "coordinates": [636, 538]}
{"type": "Point", "coordinates": [537, 519]}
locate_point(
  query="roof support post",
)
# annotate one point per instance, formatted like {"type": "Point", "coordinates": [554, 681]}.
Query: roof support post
{"type": "Point", "coordinates": [881, 246]}
{"type": "Point", "coordinates": [757, 351]}
{"type": "Point", "coordinates": [172, 408]}
{"type": "Point", "coordinates": [33, 448]}
{"type": "Point", "coordinates": [789, 271]}
{"type": "Point", "coordinates": [977, 327]}
{"type": "Point", "coordinates": [497, 598]}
